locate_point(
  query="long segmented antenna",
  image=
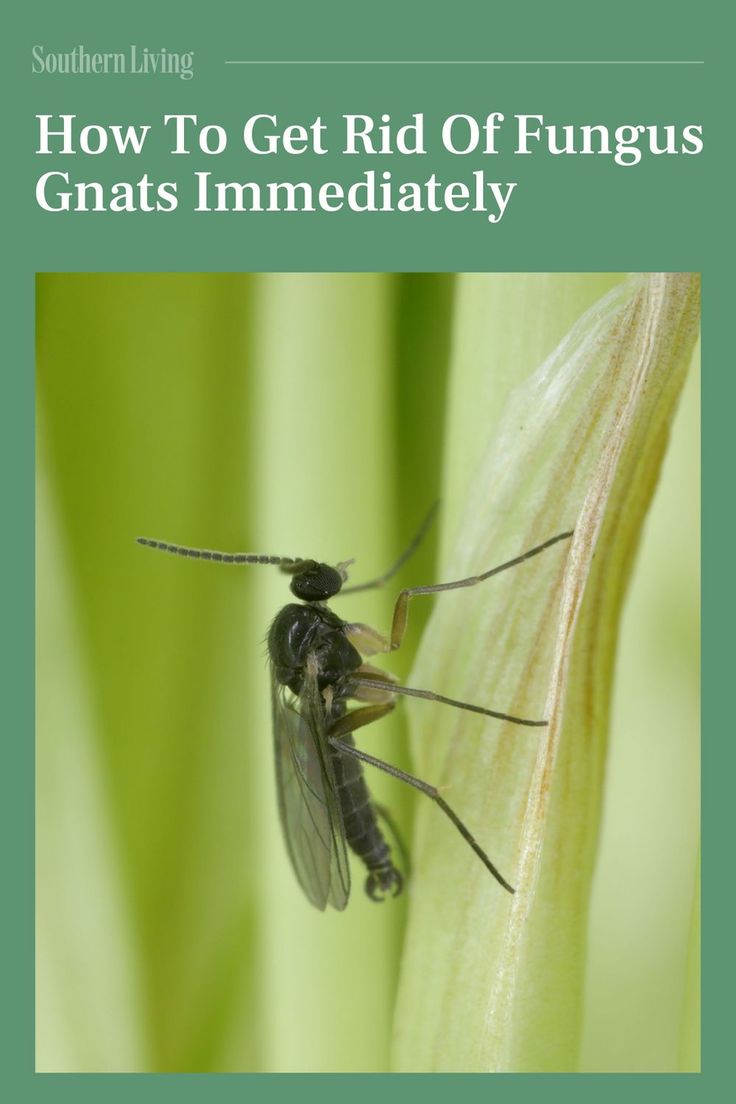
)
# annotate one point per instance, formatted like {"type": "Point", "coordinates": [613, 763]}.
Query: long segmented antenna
{"type": "Point", "coordinates": [416, 540]}
{"type": "Point", "coordinates": [218, 557]}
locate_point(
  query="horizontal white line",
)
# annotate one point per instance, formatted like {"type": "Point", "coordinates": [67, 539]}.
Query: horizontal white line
{"type": "Point", "coordinates": [311, 62]}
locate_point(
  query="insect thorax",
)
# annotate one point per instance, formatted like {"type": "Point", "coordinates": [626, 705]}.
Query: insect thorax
{"type": "Point", "coordinates": [300, 631]}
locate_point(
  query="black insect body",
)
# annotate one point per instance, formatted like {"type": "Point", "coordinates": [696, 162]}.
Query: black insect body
{"type": "Point", "coordinates": [317, 669]}
{"type": "Point", "coordinates": [300, 631]}
{"type": "Point", "coordinates": [307, 645]}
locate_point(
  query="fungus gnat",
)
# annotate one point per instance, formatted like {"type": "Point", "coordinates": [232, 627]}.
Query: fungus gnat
{"type": "Point", "coordinates": [317, 666]}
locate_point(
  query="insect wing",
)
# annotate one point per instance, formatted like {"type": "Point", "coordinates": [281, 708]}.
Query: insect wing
{"type": "Point", "coordinates": [308, 804]}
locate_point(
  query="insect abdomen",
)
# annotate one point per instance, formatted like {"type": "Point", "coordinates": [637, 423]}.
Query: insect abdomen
{"type": "Point", "coordinates": [361, 826]}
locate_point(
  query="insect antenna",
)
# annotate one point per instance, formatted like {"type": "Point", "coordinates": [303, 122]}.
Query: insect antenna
{"type": "Point", "coordinates": [219, 557]}
{"type": "Point", "coordinates": [409, 551]}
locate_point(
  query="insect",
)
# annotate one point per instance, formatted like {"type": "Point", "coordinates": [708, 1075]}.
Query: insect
{"type": "Point", "coordinates": [317, 664]}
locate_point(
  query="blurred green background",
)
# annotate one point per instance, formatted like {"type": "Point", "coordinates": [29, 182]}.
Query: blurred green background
{"type": "Point", "coordinates": [293, 415]}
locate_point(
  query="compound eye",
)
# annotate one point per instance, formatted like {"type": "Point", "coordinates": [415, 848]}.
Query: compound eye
{"type": "Point", "coordinates": [317, 583]}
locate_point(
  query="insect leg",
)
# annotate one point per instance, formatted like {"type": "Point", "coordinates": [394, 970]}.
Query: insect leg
{"type": "Point", "coordinates": [430, 791]}
{"type": "Point", "coordinates": [401, 610]}
{"type": "Point", "coordinates": [408, 551]}
{"type": "Point", "coordinates": [430, 695]}
{"type": "Point", "coordinates": [366, 639]}
{"type": "Point", "coordinates": [390, 823]}
{"type": "Point", "coordinates": [367, 714]}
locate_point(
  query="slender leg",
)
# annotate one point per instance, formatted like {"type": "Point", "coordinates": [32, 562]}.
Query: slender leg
{"type": "Point", "coordinates": [430, 791]}
{"type": "Point", "coordinates": [367, 714]}
{"type": "Point", "coordinates": [377, 674]}
{"type": "Point", "coordinates": [375, 688]}
{"type": "Point", "coordinates": [366, 639]}
{"type": "Point", "coordinates": [385, 815]}
{"type": "Point", "coordinates": [429, 695]}
{"type": "Point", "coordinates": [401, 610]}
{"type": "Point", "coordinates": [409, 551]}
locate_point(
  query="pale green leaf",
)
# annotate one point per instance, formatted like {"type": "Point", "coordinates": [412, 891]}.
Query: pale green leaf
{"type": "Point", "coordinates": [491, 982]}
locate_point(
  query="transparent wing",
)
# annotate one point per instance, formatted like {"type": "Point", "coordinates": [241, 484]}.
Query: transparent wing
{"type": "Point", "coordinates": [308, 805]}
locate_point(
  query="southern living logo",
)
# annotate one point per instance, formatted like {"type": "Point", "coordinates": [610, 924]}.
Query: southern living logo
{"type": "Point", "coordinates": [136, 61]}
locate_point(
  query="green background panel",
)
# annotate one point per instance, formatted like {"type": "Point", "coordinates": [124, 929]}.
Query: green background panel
{"type": "Point", "coordinates": [568, 214]}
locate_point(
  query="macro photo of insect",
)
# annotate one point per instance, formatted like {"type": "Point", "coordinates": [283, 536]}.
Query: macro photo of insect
{"type": "Point", "coordinates": [390, 761]}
